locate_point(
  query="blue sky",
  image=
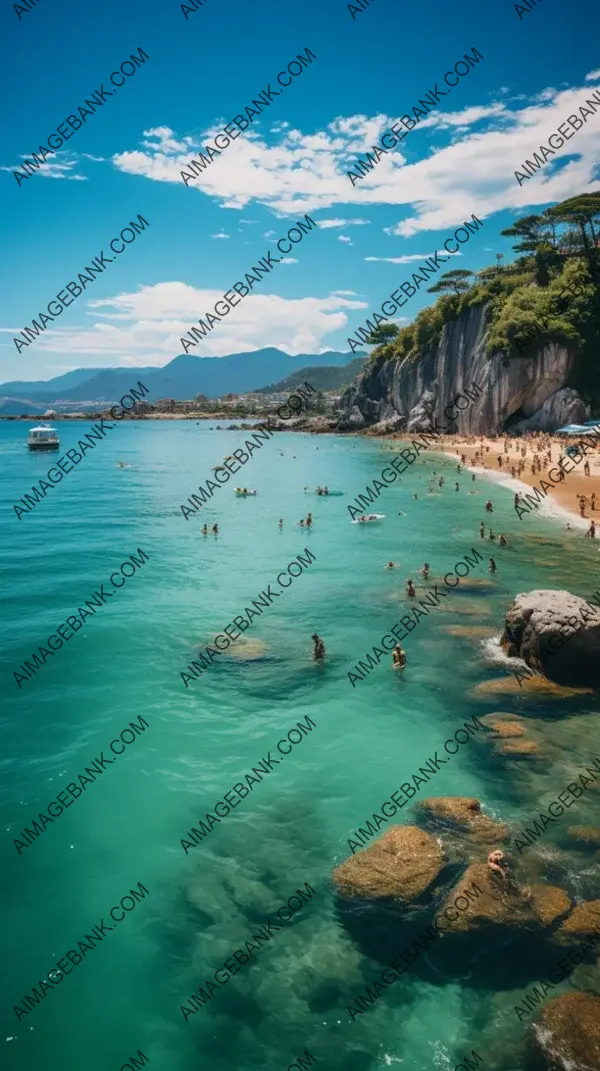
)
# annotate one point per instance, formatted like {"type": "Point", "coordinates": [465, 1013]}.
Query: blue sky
{"type": "Point", "coordinates": [205, 69]}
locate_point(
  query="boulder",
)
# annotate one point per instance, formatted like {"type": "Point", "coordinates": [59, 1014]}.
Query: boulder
{"type": "Point", "coordinates": [464, 812]}
{"type": "Point", "coordinates": [556, 634]}
{"type": "Point", "coordinates": [582, 923]}
{"type": "Point", "coordinates": [500, 904]}
{"type": "Point", "coordinates": [352, 420]}
{"type": "Point", "coordinates": [561, 408]}
{"type": "Point", "coordinates": [400, 865]}
{"type": "Point", "coordinates": [421, 415]}
{"type": "Point", "coordinates": [567, 1033]}
{"type": "Point", "coordinates": [549, 903]}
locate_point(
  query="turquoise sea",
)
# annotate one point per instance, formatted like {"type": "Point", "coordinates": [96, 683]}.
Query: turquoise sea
{"type": "Point", "coordinates": [294, 827]}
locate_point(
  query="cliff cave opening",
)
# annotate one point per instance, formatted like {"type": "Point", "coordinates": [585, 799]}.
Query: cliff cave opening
{"type": "Point", "coordinates": [513, 419]}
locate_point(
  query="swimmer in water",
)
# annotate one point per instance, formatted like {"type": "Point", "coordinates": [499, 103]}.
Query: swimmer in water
{"type": "Point", "coordinates": [503, 540]}
{"type": "Point", "coordinates": [318, 647]}
{"type": "Point", "coordinates": [301, 523]}
{"type": "Point", "coordinates": [493, 568]}
{"type": "Point", "coordinates": [309, 520]}
{"type": "Point", "coordinates": [425, 571]}
{"type": "Point", "coordinates": [391, 565]}
{"type": "Point", "coordinates": [415, 496]}
{"type": "Point", "coordinates": [205, 529]}
{"type": "Point", "coordinates": [398, 657]}
{"type": "Point", "coordinates": [482, 531]}
{"type": "Point", "coordinates": [216, 529]}
{"type": "Point", "coordinates": [281, 522]}
{"type": "Point", "coordinates": [410, 590]}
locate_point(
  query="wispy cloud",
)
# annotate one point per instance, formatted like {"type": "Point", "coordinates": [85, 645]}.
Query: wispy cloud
{"type": "Point", "coordinates": [407, 258]}
{"type": "Point", "coordinates": [221, 234]}
{"type": "Point", "coordinates": [326, 224]}
{"type": "Point", "coordinates": [472, 173]}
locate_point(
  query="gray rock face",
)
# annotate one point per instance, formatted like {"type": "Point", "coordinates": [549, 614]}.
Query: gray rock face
{"type": "Point", "coordinates": [563, 407]}
{"type": "Point", "coordinates": [458, 362]}
{"type": "Point", "coordinates": [557, 634]}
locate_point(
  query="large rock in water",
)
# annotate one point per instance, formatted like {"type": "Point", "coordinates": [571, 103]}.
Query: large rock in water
{"type": "Point", "coordinates": [557, 634]}
{"type": "Point", "coordinates": [567, 1033]}
{"type": "Point", "coordinates": [500, 906]}
{"type": "Point", "coordinates": [400, 865]}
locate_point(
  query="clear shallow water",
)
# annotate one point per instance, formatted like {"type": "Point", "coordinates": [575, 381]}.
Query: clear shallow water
{"type": "Point", "coordinates": [294, 827]}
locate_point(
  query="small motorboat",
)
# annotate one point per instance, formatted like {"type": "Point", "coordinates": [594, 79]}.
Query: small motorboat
{"type": "Point", "coordinates": [43, 437]}
{"type": "Point", "coordinates": [369, 518]}
{"type": "Point", "coordinates": [244, 492]}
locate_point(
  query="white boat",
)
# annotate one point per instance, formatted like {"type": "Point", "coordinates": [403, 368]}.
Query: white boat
{"type": "Point", "coordinates": [43, 437]}
{"type": "Point", "coordinates": [242, 492]}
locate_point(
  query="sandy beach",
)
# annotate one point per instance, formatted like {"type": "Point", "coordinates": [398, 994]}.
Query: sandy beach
{"type": "Point", "coordinates": [520, 472]}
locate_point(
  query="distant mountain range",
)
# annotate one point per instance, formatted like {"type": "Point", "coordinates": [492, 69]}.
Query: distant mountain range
{"type": "Point", "coordinates": [182, 378]}
{"type": "Point", "coordinates": [328, 378]}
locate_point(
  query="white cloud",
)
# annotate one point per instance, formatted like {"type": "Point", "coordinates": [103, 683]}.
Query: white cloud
{"type": "Point", "coordinates": [326, 224]}
{"type": "Point", "coordinates": [146, 327]}
{"type": "Point", "coordinates": [59, 168]}
{"type": "Point", "coordinates": [345, 238]}
{"type": "Point", "coordinates": [221, 234]}
{"type": "Point", "coordinates": [593, 76]}
{"type": "Point", "coordinates": [409, 257]}
{"type": "Point", "coordinates": [474, 173]}
{"type": "Point", "coordinates": [289, 260]}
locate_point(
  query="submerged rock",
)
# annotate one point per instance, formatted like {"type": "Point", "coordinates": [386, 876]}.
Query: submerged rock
{"type": "Point", "coordinates": [567, 1033]}
{"type": "Point", "coordinates": [465, 812]}
{"type": "Point", "coordinates": [549, 902]}
{"type": "Point", "coordinates": [525, 748]}
{"type": "Point", "coordinates": [583, 922]}
{"type": "Point", "coordinates": [557, 634]}
{"type": "Point", "coordinates": [585, 834]}
{"type": "Point", "coordinates": [505, 725]}
{"type": "Point", "coordinates": [400, 865]}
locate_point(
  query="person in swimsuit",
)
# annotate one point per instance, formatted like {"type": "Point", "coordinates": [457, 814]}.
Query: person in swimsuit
{"type": "Point", "coordinates": [318, 648]}
{"type": "Point", "coordinates": [410, 590]}
{"type": "Point", "coordinates": [398, 657]}
{"type": "Point", "coordinates": [425, 571]}
{"type": "Point", "coordinates": [309, 520]}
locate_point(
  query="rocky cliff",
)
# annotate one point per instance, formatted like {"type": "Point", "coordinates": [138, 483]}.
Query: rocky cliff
{"type": "Point", "coordinates": [529, 393]}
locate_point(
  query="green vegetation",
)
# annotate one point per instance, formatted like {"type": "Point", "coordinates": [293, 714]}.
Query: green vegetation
{"type": "Point", "coordinates": [330, 377]}
{"type": "Point", "coordinates": [529, 300]}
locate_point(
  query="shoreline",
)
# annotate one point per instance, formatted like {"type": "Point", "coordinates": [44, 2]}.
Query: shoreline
{"type": "Point", "coordinates": [562, 502]}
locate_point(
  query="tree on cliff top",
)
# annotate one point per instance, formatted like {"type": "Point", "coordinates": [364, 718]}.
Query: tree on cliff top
{"type": "Point", "coordinates": [582, 212]}
{"type": "Point", "coordinates": [383, 334]}
{"type": "Point", "coordinates": [452, 280]}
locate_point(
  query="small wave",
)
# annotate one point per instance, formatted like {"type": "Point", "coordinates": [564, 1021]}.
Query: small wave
{"type": "Point", "coordinates": [494, 654]}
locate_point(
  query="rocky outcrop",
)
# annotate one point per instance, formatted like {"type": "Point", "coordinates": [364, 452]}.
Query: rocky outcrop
{"type": "Point", "coordinates": [400, 865]}
{"type": "Point", "coordinates": [582, 923]}
{"type": "Point", "coordinates": [500, 904]}
{"type": "Point", "coordinates": [567, 1033]}
{"type": "Point", "coordinates": [563, 407]}
{"type": "Point", "coordinates": [557, 634]}
{"type": "Point", "coordinates": [527, 388]}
